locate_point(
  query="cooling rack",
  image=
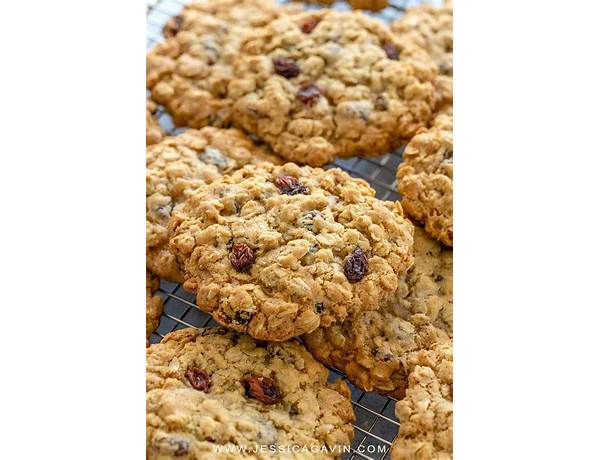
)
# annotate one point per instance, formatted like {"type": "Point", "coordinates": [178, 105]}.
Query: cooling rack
{"type": "Point", "coordinates": [376, 425]}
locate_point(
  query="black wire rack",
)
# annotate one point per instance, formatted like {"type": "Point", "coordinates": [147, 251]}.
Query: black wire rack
{"type": "Point", "coordinates": [376, 425]}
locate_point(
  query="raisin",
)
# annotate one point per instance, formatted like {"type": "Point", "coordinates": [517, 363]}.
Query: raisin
{"type": "Point", "coordinates": [173, 26]}
{"type": "Point", "coordinates": [262, 388]}
{"type": "Point", "coordinates": [309, 25]}
{"type": "Point", "coordinates": [199, 379]}
{"type": "Point", "coordinates": [392, 51]}
{"type": "Point", "coordinates": [286, 67]}
{"type": "Point", "coordinates": [309, 94]}
{"type": "Point", "coordinates": [319, 307]}
{"type": "Point", "coordinates": [356, 265]}
{"type": "Point", "coordinates": [289, 185]}
{"type": "Point", "coordinates": [438, 278]}
{"type": "Point", "coordinates": [241, 257]}
{"type": "Point", "coordinates": [242, 317]}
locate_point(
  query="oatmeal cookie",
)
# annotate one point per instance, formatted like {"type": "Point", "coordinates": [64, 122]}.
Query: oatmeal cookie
{"type": "Point", "coordinates": [188, 73]}
{"type": "Point", "coordinates": [154, 133]}
{"type": "Point", "coordinates": [274, 251]}
{"type": "Point", "coordinates": [373, 5]}
{"type": "Point", "coordinates": [322, 84]}
{"type": "Point", "coordinates": [214, 388]}
{"type": "Point", "coordinates": [424, 178]}
{"type": "Point", "coordinates": [430, 28]}
{"type": "Point", "coordinates": [243, 13]}
{"type": "Point", "coordinates": [179, 165]}
{"type": "Point", "coordinates": [154, 304]}
{"type": "Point", "coordinates": [371, 347]}
{"type": "Point", "coordinates": [425, 413]}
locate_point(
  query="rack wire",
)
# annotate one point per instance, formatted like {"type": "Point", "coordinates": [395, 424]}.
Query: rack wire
{"type": "Point", "coordinates": [376, 425]}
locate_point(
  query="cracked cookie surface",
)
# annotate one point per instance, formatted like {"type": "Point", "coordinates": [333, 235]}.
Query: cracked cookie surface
{"type": "Point", "coordinates": [190, 71]}
{"type": "Point", "coordinates": [179, 165]}
{"type": "Point", "coordinates": [154, 132]}
{"type": "Point", "coordinates": [212, 388]}
{"type": "Point", "coordinates": [424, 178]}
{"type": "Point", "coordinates": [322, 84]}
{"type": "Point", "coordinates": [371, 347]}
{"type": "Point", "coordinates": [154, 304]}
{"type": "Point", "coordinates": [275, 251]}
{"type": "Point", "coordinates": [426, 412]}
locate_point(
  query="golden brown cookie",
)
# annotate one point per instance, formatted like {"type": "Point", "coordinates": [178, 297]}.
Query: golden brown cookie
{"type": "Point", "coordinates": [425, 413]}
{"type": "Point", "coordinates": [424, 178]}
{"type": "Point", "coordinates": [188, 73]}
{"type": "Point", "coordinates": [371, 347]}
{"type": "Point", "coordinates": [154, 304]}
{"type": "Point", "coordinates": [373, 5]}
{"type": "Point", "coordinates": [430, 28]}
{"type": "Point", "coordinates": [154, 132]}
{"type": "Point", "coordinates": [179, 165]}
{"type": "Point", "coordinates": [327, 84]}
{"type": "Point", "coordinates": [274, 251]}
{"type": "Point", "coordinates": [214, 389]}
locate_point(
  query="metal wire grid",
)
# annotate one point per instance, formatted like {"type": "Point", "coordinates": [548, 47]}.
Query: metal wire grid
{"type": "Point", "coordinates": [376, 425]}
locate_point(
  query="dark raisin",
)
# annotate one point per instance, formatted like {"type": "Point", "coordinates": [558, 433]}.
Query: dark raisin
{"type": "Point", "coordinates": [289, 185]}
{"type": "Point", "coordinates": [309, 25]}
{"type": "Point", "coordinates": [356, 266]}
{"type": "Point", "coordinates": [173, 26]}
{"type": "Point", "coordinates": [438, 278]}
{"type": "Point", "coordinates": [319, 307]}
{"type": "Point", "coordinates": [392, 51]}
{"type": "Point", "coordinates": [241, 257]}
{"type": "Point", "coordinates": [286, 67]}
{"type": "Point", "coordinates": [262, 388]}
{"type": "Point", "coordinates": [199, 379]}
{"type": "Point", "coordinates": [309, 94]}
{"type": "Point", "coordinates": [242, 317]}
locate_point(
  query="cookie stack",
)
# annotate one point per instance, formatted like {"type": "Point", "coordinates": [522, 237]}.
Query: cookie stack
{"type": "Point", "coordinates": [300, 265]}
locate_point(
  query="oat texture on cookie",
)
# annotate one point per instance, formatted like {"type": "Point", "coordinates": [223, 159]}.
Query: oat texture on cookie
{"type": "Point", "coordinates": [373, 5]}
{"type": "Point", "coordinates": [154, 132]}
{"type": "Point", "coordinates": [189, 72]}
{"type": "Point", "coordinates": [424, 178]}
{"type": "Point", "coordinates": [215, 388]}
{"type": "Point", "coordinates": [154, 304]}
{"type": "Point", "coordinates": [323, 84]}
{"type": "Point", "coordinates": [426, 412]}
{"type": "Point", "coordinates": [275, 251]}
{"type": "Point", "coordinates": [371, 347]}
{"type": "Point", "coordinates": [430, 28]}
{"type": "Point", "coordinates": [179, 165]}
